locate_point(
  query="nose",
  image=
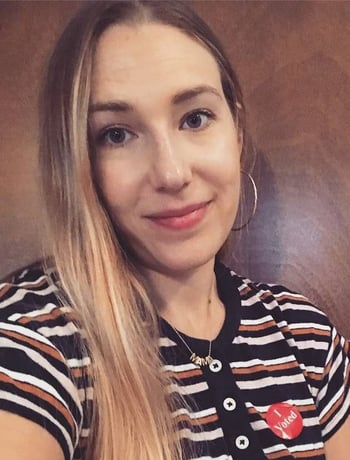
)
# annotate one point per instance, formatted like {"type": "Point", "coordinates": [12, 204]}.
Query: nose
{"type": "Point", "coordinates": [171, 169]}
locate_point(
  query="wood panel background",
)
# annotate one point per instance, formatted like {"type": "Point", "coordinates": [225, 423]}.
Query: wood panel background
{"type": "Point", "coordinates": [293, 58]}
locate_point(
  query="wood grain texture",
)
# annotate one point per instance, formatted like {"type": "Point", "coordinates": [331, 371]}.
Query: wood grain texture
{"type": "Point", "coordinates": [28, 31]}
{"type": "Point", "coordinates": [293, 59]}
{"type": "Point", "coordinates": [294, 62]}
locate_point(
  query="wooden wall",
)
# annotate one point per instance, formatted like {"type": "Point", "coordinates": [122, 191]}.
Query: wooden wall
{"type": "Point", "coordinates": [293, 59]}
{"type": "Point", "coordinates": [294, 62]}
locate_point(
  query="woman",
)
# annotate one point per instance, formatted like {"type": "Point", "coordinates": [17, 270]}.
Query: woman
{"type": "Point", "coordinates": [140, 344]}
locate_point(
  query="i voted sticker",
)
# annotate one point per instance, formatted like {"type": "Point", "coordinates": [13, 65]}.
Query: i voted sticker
{"type": "Point", "coordinates": [284, 420]}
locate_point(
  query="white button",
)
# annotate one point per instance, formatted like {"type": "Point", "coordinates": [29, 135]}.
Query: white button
{"type": "Point", "coordinates": [229, 404]}
{"type": "Point", "coordinates": [215, 365]}
{"type": "Point", "coordinates": [242, 442]}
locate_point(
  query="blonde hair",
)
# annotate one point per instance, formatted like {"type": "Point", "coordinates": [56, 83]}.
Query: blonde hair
{"type": "Point", "coordinates": [132, 403]}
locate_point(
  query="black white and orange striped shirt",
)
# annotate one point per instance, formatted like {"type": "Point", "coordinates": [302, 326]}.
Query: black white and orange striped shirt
{"type": "Point", "coordinates": [43, 373]}
{"type": "Point", "coordinates": [274, 347]}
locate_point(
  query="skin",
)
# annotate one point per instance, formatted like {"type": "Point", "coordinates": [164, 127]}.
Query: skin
{"type": "Point", "coordinates": [165, 163]}
{"type": "Point", "coordinates": [22, 439]}
{"type": "Point", "coordinates": [337, 448]}
{"type": "Point", "coordinates": [166, 159]}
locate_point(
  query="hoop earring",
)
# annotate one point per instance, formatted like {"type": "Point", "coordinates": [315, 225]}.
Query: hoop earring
{"type": "Point", "coordinates": [255, 191]}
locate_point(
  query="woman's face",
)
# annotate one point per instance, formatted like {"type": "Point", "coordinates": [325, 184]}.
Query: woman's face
{"type": "Point", "coordinates": [167, 148]}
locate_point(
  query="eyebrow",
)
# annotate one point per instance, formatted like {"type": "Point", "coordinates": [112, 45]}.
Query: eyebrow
{"type": "Point", "coordinates": [179, 98]}
{"type": "Point", "coordinates": [113, 106]}
{"type": "Point", "coordinates": [188, 94]}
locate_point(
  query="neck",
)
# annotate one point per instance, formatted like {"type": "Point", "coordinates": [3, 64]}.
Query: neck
{"type": "Point", "coordinates": [189, 301]}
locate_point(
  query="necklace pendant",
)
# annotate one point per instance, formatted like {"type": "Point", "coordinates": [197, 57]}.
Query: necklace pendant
{"type": "Point", "coordinates": [198, 361]}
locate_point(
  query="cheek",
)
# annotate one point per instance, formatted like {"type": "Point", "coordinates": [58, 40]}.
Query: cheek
{"type": "Point", "coordinates": [117, 188]}
{"type": "Point", "coordinates": [227, 164]}
{"type": "Point", "coordinates": [230, 188]}
{"type": "Point", "coordinates": [227, 177]}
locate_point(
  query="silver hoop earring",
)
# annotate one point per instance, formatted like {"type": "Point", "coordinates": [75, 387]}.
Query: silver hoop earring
{"type": "Point", "coordinates": [255, 191]}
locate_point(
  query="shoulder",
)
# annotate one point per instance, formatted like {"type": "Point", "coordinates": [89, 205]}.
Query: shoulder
{"type": "Point", "coordinates": [286, 306]}
{"type": "Point", "coordinates": [29, 293]}
{"type": "Point", "coordinates": [31, 305]}
{"type": "Point", "coordinates": [282, 325]}
{"type": "Point", "coordinates": [44, 365]}
{"type": "Point", "coordinates": [277, 317]}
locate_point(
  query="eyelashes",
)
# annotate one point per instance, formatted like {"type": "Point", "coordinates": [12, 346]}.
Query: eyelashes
{"type": "Point", "coordinates": [118, 136]}
{"type": "Point", "coordinates": [198, 119]}
{"type": "Point", "coordinates": [114, 136]}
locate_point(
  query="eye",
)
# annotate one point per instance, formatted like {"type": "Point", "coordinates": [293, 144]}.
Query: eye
{"type": "Point", "coordinates": [197, 120]}
{"type": "Point", "coordinates": [114, 136]}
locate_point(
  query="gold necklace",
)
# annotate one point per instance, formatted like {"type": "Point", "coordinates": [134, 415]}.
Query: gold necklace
{"type": "Point", "coordinates": [198, 360]}
{"type": "Point", "coordinates": [194, 358]}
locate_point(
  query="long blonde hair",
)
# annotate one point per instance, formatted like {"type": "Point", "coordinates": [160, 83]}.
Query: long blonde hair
{"type": "Point", "coordinates": [132, 407]}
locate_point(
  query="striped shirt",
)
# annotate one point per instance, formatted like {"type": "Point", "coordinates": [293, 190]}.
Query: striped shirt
{"type": "Point", "coordinates": [43, 372]}
{"type": "Point", "coordinates": [274, 347]}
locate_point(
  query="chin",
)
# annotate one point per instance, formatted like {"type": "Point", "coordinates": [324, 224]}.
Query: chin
{"type": "Point", "coordinates": [176, 255]}
{"type": "Point", "coordinates": [182, 260]}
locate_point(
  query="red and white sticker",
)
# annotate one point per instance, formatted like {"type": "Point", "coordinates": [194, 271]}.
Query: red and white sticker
{"type": "Point", "coordinates": [284, 420]}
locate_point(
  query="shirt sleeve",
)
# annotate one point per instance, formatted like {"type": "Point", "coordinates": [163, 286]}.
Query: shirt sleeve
{"type": "Point", "coordinates": [36, 380]}
{"type": "Point", "coordinates": [333, 398]}
{"type": "Point", "coordinates": [35, 384]}
{"type": "Point", "coordinates": [324, 355]}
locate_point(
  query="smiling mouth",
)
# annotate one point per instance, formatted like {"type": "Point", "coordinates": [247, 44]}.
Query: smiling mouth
{"type": "Point", "coordinates": [178, 219]}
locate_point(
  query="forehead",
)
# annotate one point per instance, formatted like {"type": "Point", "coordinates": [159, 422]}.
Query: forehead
{"type": "Point", "coordinates": [150, 60]}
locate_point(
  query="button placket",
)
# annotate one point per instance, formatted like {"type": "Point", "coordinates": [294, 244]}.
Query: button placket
{"type": "Point", "coordinates": [233, 414]}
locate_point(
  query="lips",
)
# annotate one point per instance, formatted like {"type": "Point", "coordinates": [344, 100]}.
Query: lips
{"type": "Point", "coordinates": [177, 212]}
{"type": "Point", "coordinates": [181, 218]}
